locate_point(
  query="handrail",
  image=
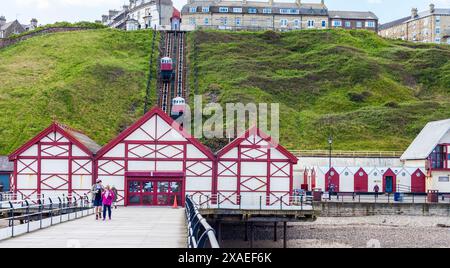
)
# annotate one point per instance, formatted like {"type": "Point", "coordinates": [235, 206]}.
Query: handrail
{"type": "Point", "coordinates": [300, 202]}
{"type": "Point", "coordinates": [200, 233]}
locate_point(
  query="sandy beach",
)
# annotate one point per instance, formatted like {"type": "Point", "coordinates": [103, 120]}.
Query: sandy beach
{"type": "Point", "coordinates": [355, 232]}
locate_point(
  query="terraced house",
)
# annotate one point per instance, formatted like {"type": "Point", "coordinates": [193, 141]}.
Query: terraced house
{"type": "Point", "coordinates": [140, 14]}
{"type": "Point", "coordinates": [430, 26]}
{"type": "Point", "coordinates": [282, 16]}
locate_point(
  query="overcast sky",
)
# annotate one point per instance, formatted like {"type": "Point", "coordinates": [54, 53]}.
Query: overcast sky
{"type": "Point", "coordinates": [49, 11]}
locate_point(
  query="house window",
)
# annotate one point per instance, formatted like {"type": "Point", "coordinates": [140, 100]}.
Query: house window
{"type": "Point", "coordinates": [438, 157]}
{"type": "Point", "coordinates": [193, 9]}
{"type": "Point", "coordinates": [223, 9]}
{"type": "Point", "coordinates": [444, 179]}
{"type": "Point", "coordinates": [359, 24]}
{"type": "Point", "coordinates": [310, 24]}
{"type": "Point", "coordinates": [438, 30]}
{"type": "Point", "coordinates": [348, 24]}
{"type": "Point", "coordinates": [252, 10]}
{"type": "Point", "coordinates": [206, 21]}
{"type": "Point", "coordinates": [237, 10]}
{"type": "Point", "coordinates": [238, 21]}
{"type": "Point", "coordinates": [192, 21]}
{"type": "Point", "coordinates": [284, 22]}
{"type": "Point", "coordinates": [267, 11]}
{"type": "Point", "coordinates": [437, 40]}
{"type": "Point", "coordinates": [205, 9]}
{"type": "Point", "coordinates": [337, 23]}
{"type": "Point", "coordinates": [224, 21]}
{"type": "Point", "coordinates": [370, 24]}
{"type": "Point", "coordinates": [296, 23]}
{"type": "Point", "coordinates": [324, 24]}
{"type": "Point", "coordinates": [438, 19]}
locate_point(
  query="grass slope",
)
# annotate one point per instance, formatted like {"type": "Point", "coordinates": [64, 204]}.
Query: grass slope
{"type": "Point", "coordinates": [92, 80]}
{"type": "Point", "coordinates": [371, 93]}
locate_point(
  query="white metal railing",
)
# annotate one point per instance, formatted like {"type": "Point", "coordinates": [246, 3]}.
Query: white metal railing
{"type": "Point", "coordinates": [337, 153]}
{"type": "Point", "coordinates": [25, 216]}
{"type": "Point", "coordinates": [253, 202]}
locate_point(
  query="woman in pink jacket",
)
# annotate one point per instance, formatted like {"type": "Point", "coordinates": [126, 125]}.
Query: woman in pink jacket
{"type": "Point", "coordinates": [107, 200]}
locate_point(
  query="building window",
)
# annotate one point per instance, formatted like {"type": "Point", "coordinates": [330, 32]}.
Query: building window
{"type": "Point", "coordinates": [296, 23]}
{"type": "Point", "coordinates": [192, 21]}
{"type": "Point", "coordinates": [359, 24]}
{"type": "Point", "coordinates": [438, 30]}
{"type": "Point", "coordinates": [444, 179]}
{"type": "Point", "coordinates": [224, 21]}
{"type": "Point", "coordinates": [237, 10]}
{"type": "Point", "coordinates": [289, 11]}
{"type": "Point", "coordinates": [310, 24]}
{"type": "Point", "coordinates": [437, 40]}
{"type": "Point", "coordinates": [252, 10]}
{"type": "Point", "coordinates": [337, 23]}
{"type": "Point", "coordinates": [223, 9]}
{"type": "Point", "coordinates": [438, 157]}
{"type": "Point", "coordinates": [253, 22]}
{"type": "Point", "coordinates": [267, 11]}
{"type": "Point", "coordinates": [193, 9]}
{"type": "Point", "coordinates": [348, 24]}
{"type": "Point", "coordinates": [438, 19]}
{"type": "Point", "coordinates": [370, 24]}
{"type": "Point", "coordinates": [206, 21]}
{"type": "Point", "coordinates": [284, 22]}
{"type": "Point", "coordinates": [324, 24]}
{"type": "Point", "coordinates": [238, 21]}
{"type": "Point", "coordinates": [205, 9]}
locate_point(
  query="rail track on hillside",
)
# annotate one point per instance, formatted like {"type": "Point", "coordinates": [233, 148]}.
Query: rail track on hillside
{"type": "Point", "coordinates": [174, 46]}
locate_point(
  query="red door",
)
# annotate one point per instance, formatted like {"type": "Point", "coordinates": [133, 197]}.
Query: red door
{"type": "Point", "coordinates": [361, 181]}
{"type": "Point", "coordinates": [153, 192]}
{"type": "Point", "coordinates": [332, 177]}
{"type": "Point", "coordinates": [418, 182]}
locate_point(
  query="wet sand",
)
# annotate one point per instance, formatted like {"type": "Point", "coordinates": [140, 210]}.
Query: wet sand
{"type": "Point", "coordinates": [355, 232]}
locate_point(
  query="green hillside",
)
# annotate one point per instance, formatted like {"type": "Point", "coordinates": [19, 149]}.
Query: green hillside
{"type": "Point", "coordinates": [92, 80]}
{"type": "Point", "coordinates": [371, 93]}
{"type": "Point", "coordinates": [374, 94]}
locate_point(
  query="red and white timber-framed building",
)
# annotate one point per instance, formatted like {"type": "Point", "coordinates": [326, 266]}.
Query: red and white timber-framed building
{"type": "Point", "coordinates": [154, 161]}
{"type": "Point", "coordinates": [59, 160]}
{"type": "Point", "coordinates": [253, 167]}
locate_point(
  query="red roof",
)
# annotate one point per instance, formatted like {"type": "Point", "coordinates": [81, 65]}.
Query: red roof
{"type": "Point", "coordinates": [265, 137]}
{"type": "Point", "coordinates": [76, 137]}
{"type": "Point", "coordinates": [176, 13]}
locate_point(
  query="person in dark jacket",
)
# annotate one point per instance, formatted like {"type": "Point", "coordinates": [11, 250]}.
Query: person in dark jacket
{"type": "Point", "coordinates": [97, 191]}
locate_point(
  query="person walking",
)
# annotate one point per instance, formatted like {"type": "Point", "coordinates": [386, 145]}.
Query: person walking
{"type": "Point", "coordinates": [114, 189]}
{"type": "Point", "coordinates": [97, 191]}
{"type": "Point", "coordinates": [107, 200]}
{"type": "Point", "coordinates": [376, 189]}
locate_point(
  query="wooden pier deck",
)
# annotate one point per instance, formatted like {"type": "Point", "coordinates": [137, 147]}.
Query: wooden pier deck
{"type": "Point", "coordinates": [131, 227]}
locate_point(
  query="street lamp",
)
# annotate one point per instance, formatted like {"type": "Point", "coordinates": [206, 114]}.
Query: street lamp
{"type": "Point", "coordinates": [330, 143]}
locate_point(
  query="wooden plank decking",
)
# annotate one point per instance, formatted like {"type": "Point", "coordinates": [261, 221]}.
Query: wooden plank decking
{"type": "Point", "coordinates": [131, 227]}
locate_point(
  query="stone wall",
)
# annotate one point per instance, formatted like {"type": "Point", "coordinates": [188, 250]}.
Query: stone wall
{"type": "Point", "coordinates": [11, 41]}
{"type": "Point", "coordinates": [330, 209]}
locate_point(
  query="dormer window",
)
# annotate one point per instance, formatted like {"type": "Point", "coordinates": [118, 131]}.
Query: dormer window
{"type": "Point", "coordinates": [223, 9]}
{"type": "Point", "coordinates": [193, 9]}
{"type": "Point", "coordinates": [205, 9]}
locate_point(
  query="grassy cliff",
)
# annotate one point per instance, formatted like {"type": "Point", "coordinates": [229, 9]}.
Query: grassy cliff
{"type": "Point", "coordinates": [371, 93]}
{"type": "Point", "coordinates": [92, 80]}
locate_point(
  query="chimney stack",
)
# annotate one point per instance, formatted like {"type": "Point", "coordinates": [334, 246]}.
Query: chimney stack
{"type": "Point", "coordinates": [414, 13]}
{"type": "Point", "coordinates": [432, 9]}
{"type": "Point", "coordinates": [270, 2]}
{"type": "Point", "coordinates": [34, 23]}
{"type": "Point", "coordinates": [299, 2]}
{"type": "Point", "coordinates": [2, 20]}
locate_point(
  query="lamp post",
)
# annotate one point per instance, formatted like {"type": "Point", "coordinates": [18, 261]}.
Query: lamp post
{"type": "Point", "coordinates": [330, 143]}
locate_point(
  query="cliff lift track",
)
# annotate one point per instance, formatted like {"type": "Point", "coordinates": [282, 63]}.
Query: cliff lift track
{"type": "Point", "coordinates": [174, 44]}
